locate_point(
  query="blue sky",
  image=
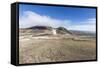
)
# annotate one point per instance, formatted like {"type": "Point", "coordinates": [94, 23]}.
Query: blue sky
{"type": "Point", "coordinates": [83, 19]}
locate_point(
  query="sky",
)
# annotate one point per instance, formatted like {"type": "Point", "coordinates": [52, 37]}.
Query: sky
{"type": "Point", "coordinates": [72, 18]}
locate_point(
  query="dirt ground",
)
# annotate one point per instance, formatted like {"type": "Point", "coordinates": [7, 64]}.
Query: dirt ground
{"type": "Point", "coordinates": [55, 50]}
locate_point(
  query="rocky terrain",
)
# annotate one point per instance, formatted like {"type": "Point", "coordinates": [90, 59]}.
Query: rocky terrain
{"type": "Point", "coordinates": [47, 44]}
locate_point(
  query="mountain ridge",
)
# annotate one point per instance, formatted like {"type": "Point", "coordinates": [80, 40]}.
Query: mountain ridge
{"type": "Point", "coordinates": [47, 30]}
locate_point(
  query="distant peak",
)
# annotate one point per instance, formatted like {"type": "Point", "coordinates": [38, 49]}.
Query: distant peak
{"type": "Point", "coordinates": [40, 27]}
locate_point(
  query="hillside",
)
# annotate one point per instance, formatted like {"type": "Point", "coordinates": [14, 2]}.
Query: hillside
{"type": "Point", "coordinates": [47, 44]}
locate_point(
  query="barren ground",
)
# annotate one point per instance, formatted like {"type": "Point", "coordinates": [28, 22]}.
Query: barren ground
{"type": "Point", "coordinates": [32, 50]}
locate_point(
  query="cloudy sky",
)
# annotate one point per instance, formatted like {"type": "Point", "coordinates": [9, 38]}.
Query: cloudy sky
{"type": "Point", "coordinates": [83, 19]}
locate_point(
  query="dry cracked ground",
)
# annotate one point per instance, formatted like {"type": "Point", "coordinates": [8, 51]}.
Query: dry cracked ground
{"type": "Point", "coordinates": [32, 50]}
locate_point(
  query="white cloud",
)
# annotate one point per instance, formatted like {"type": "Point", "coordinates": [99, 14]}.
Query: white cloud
{"type": "Point", "coordinates": [88, 25]}
{"type": "Point", "coordinates": [29, 19]}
